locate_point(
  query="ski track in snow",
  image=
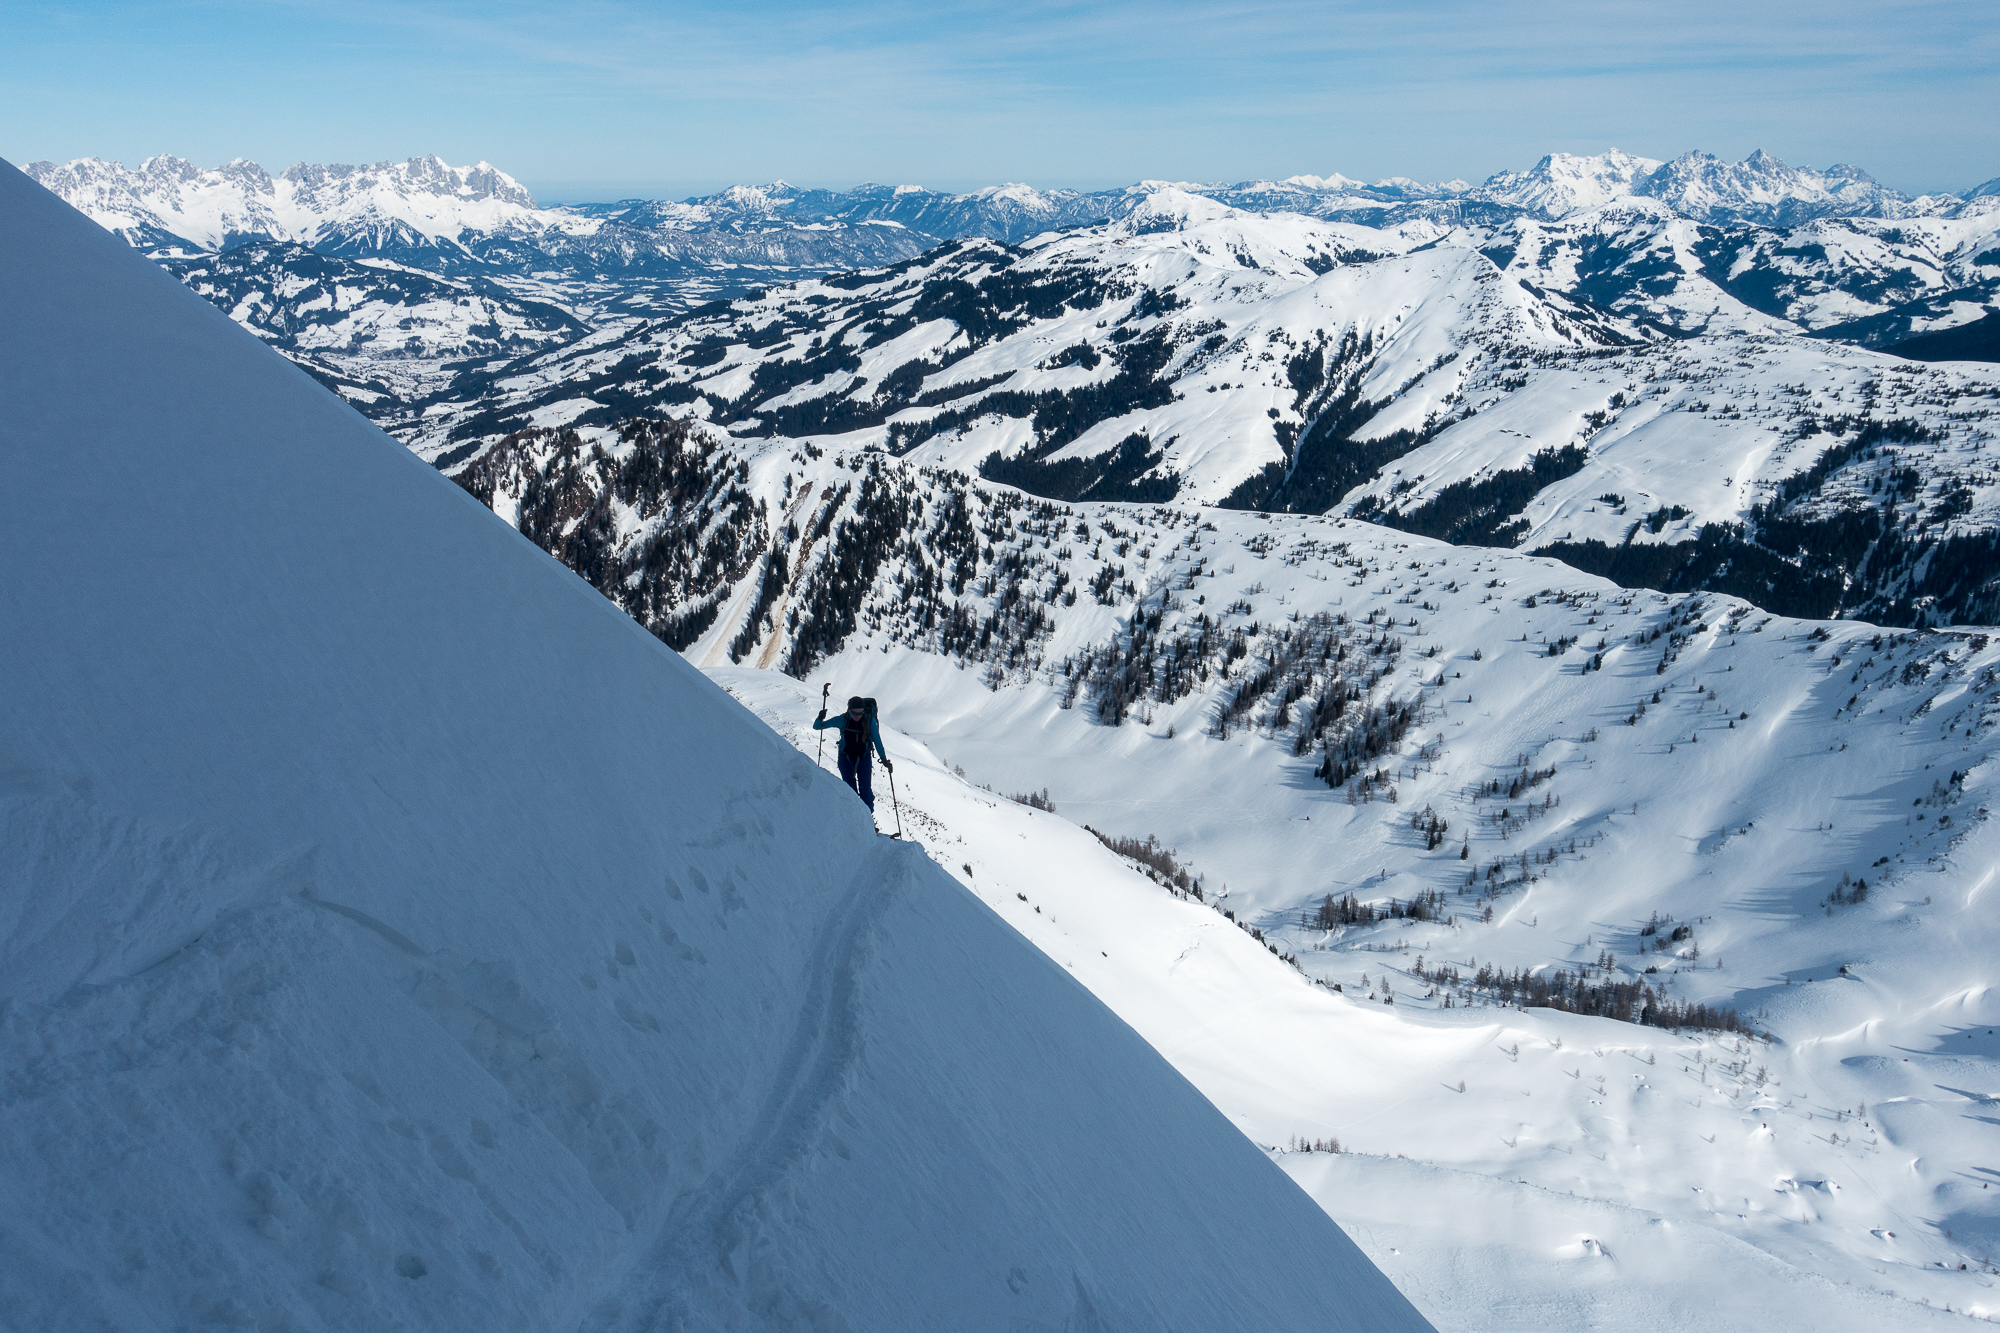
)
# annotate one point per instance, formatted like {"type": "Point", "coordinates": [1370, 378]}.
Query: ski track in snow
{"type": "Point", "coordinates": [718, 1227]}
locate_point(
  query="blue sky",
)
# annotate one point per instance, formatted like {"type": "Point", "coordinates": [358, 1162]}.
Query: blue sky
{"type": "Point", "coordinates": [614, 97]}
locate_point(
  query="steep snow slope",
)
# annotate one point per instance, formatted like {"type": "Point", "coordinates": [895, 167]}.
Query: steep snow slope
{"type": "Point", "coordinates": [401, 939]}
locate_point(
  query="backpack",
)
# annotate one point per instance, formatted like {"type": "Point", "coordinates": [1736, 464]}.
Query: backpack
{"type": "Point", "coordinates": [854, 735]}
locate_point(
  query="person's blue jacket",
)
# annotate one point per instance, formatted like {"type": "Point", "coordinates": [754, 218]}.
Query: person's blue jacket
{"type": "Point", "coordinates": [874, 731]}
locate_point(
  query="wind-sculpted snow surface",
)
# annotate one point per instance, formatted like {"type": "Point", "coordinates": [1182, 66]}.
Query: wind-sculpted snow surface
{"type": "Point", "coordinates": [399, 938]}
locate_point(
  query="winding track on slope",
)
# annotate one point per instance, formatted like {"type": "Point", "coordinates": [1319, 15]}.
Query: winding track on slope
{"type": "Point", "coordinates": [701, 1267]}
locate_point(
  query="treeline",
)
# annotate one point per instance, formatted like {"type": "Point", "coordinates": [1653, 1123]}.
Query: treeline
{"type": "Point", "coordinates": [938, 558]}
{"type": "Point", "coordinates": [1332, 913]}
{"type": "Point", "coordinates": [1156, 860]}
{"type": "Point", "coordinates": [1481, 512]}
{"type": "Point", "coordinates": [1575, 992]}
{"type": "Point", "coordinates": [1515, 786]}
{"type": "Point", "coordinates": [1060, 416]}
{"type": "Point", "coordinates": [1311, 681]}
{"type": "Point", "coordinates": [1131, 472]}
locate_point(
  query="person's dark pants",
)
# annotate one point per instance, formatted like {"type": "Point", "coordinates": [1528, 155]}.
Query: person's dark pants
{"type": "Point", "coordinates": [859, 774]}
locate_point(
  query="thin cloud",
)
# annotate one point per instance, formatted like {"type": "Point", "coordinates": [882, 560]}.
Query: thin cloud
{"type": "Point", "coordinates": [1038, 90]}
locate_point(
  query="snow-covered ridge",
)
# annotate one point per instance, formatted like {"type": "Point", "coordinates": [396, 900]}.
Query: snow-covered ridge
{"type": "Point", "coordinates": [428, 947]}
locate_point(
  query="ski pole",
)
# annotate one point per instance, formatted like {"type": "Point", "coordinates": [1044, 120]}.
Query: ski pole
{"type": "Point", "coordinates": [820, 758]}
{"type": "Point", "coordinates": [894, 803]}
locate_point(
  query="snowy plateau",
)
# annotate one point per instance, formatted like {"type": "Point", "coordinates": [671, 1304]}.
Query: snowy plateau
{"type": "Point", "coordinates": [396, 936]}
{"type": "Point", "coordinates": [1492, 683]}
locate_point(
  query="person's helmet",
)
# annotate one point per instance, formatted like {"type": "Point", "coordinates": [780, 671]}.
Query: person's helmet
{"type": "Point", "coordinates": [855, 702]}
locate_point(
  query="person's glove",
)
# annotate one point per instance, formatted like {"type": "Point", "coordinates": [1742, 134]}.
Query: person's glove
{"type": "Point", "coordinates": [886, 764]}
{"type": "Point", "coordinates": [822, 715]}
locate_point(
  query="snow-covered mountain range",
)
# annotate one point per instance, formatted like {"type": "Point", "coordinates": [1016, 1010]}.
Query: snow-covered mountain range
{"type": "Point", "coordinates": [428, 214]}
{"type": "Point", "coordinates": [167, 202]}
{"type": "Point", "coordinates": [475, 225]}
{"type": "Point", "coordinates": [1691, 245]}
{"type": "Point", "coordinates": [463, 214]}
{"type": "Point", "coordinates": [1201, 354]}
{"type": "Point", "coordinates": [1704, 188]}
{"type": "Point", "coordinates": [394, 936]}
